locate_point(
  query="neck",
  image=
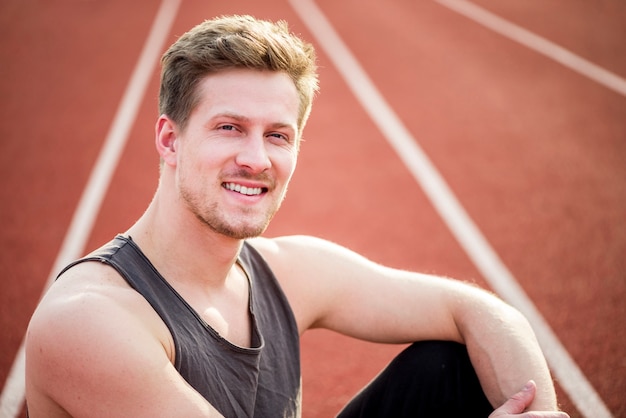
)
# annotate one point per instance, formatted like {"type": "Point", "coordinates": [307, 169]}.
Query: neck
{"type": "Point", "coordinates": [182, 248]}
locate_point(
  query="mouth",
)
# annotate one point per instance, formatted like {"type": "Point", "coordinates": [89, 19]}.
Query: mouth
{"type": "Point", "coordinates": [248, 191]}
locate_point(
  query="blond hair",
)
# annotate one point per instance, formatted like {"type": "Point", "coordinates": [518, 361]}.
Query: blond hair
{"type": "Point", "coordinates": [234, 42]}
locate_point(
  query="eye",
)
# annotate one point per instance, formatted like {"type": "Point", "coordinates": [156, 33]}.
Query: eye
{"type": "Point", "coordinates": [227, 127]}
{"type": "Point", "coordinates": [279, 137]}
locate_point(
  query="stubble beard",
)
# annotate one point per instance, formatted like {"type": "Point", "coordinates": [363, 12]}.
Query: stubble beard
{"type": "Point", "coordinates": [242, 227]}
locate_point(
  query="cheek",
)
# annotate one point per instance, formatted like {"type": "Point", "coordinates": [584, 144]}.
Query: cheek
{"type": "Point", "coordinates": [198, 158]}
{"type": "Point", "coordinates": [286, 164]}
{"type": "Point", "coordinates": [190, 167]}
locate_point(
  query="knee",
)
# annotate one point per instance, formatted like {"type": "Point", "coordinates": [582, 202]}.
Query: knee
{"type": "Point", "coordinates": [430, 378]}
{"type": "Point", "coordinates": [434, 359]}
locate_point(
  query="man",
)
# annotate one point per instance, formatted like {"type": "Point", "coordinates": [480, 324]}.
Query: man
{"type": "Point", "coordinates": [187, 314]}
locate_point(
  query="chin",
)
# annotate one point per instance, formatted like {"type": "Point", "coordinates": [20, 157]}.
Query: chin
{"type": "Point", "coordinates": [241, 231]}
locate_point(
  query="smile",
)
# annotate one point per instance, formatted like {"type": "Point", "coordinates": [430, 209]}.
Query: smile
{"type": "Point", "coordinates": [248, 191]}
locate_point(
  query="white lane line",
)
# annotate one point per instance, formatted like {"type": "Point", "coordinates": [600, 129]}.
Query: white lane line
{"type": "Point", "coordinates": [12, 397]}
{"type": "Point", "coordinates": [458, 221]}
{"type": "Point", "coordinates": [538, 44]}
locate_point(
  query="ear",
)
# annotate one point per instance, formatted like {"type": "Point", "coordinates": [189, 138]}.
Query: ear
{"type": "Point", "coordinates": [166, 136]}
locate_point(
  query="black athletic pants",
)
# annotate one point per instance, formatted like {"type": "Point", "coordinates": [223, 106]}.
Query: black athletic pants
{"type": "Point", "coordinates": [428, 379]}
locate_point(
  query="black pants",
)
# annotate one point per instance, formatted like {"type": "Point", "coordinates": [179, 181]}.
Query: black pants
{"type": "Point", "coordinates": [428, 379]}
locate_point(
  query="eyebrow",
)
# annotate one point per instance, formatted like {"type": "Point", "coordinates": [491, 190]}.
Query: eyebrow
{"type": "Point", "coordinates": [231, 116]}
{"type": "Point", "coordinates": [241, 118]}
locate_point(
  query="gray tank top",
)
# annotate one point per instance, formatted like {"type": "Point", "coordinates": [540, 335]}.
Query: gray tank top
{"type": "Point", "coordinates": [261, 381]}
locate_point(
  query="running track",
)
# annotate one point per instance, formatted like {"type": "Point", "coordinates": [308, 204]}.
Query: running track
{"type": "Point", "coordinates": [531, 147]}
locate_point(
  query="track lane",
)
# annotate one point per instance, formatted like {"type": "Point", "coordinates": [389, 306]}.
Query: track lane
{"type": "Point", "coordinates": [571, 157]}
{"type": "Point", "coordinates": [499, 278]}
{"type": "Point", "coordinates": [344, 158]}
{"type": "Point", "coordinates": [54, 116]}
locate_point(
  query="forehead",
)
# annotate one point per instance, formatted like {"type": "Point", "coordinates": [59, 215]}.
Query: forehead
{"type": "Point", "coordinates": [253, 94]}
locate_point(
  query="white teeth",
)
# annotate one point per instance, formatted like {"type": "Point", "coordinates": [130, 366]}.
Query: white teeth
{"type": "Point", "coordinates": [248, 191]}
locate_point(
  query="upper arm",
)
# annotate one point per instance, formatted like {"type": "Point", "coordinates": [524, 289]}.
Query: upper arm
{"type": "Point", "coordinates": [95, 353]}
{"type": "Point", "coordinates": [332, 287]}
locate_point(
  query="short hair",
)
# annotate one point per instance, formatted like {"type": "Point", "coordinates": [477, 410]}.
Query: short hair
{"type": "Point", "coordinates": [234, 42]}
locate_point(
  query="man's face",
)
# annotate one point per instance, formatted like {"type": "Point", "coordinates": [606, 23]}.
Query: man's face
{"type": "Point", "coordinates": [239, 150]}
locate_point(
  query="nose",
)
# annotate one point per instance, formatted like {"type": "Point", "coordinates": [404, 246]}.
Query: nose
{"type": "Point", "coordinates": [253, 154]}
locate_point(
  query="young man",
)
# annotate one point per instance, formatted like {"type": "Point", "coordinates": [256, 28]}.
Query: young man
{"type": "Point", "coordinates": [187, 314]}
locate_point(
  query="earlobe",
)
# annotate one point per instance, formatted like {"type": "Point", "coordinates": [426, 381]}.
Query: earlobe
{"type": "Point", "coordinates": [165, 138]}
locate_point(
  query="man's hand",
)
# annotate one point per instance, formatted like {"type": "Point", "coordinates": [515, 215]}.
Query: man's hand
{"type": "Point", "coordinates": [516, 404]}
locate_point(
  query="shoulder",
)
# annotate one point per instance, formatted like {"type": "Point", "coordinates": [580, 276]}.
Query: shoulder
{"type": "Point", "coordinates": [315, 274]}
{"type": "Point", "coordinates": [91, 297]}
{"type": "Point", "coordinates": [89, 323]}
{"type": "Point", "coordinates": [87, 288]}
{"type": "Point", "coordinates": [90, 288]}
{"type": "Point", "coordinates": [95, 347]}
{"type": "Point", "coordinates": [280, 251]}
{"type": "Point", "coordinates": [299, 258]}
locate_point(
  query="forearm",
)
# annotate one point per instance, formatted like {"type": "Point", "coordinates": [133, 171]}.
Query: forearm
{"type": "Point", "coordinates": [504, 350]}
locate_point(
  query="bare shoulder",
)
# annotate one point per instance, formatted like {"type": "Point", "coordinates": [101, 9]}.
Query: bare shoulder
{"type": "Point", "coordinates": [93, 345]}
{"type": "Point", "coordinates": [299, 258]}
{"type": "Point", "coordinates": [274, 246]}
{"type": "Point", "coordinates": [291, 251]}
{"type": "Point", "coordinates": [315, 274]}
{"type": "Point", "coordinates": [89, 298]}
{"type": "Point", "coordinates": [83, 296]}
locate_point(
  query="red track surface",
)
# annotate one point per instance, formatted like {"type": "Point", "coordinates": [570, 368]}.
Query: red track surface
{"type": "Point", "coordinates": [536, 153]}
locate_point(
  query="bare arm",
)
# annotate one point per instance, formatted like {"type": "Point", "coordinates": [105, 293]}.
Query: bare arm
{"type": "Point", "coordinates": [97, 350]}
{"type": "Point", "coordinates": [332, 287]}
